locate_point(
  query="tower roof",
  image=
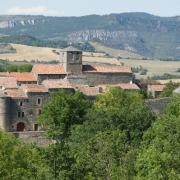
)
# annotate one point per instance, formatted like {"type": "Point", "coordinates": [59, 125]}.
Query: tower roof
{"type": "Point", "coordinates": [71, 49]}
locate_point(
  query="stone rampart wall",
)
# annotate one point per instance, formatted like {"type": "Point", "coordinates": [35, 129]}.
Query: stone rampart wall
{"type": "Point", "coordinates": [37, 137]}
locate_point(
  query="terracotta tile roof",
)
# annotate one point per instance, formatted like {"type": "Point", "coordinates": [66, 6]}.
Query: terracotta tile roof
{"type": "Point", "coordinates": [57, 84]}
{"type": "Point", "coordinates": [4, 74]}
{"type": "Point", "coordinates": [24, 76]}
{"type": "Point", "coordinates": [34, 88]}
{"type": "Point", "coordinates": [8, 82]}
{"type": "Point", "coordinates": [15, 93]}
{"type": "Point", "coordinates": [127, 86]}
{"type": "Point", "coordinates": [124, 86]}
{"type": "Point", "coordinates": [48, 69]}
{"type": "Point", "coordinates": [89, 91]}
{"type": "Point", "coordinates": [106, 69]}
{"type": "Point", "coordinates": [156, 87]}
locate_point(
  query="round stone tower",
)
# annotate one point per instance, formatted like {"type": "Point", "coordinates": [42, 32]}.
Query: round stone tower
{"type": "Point", "coordinates": [4, 111]}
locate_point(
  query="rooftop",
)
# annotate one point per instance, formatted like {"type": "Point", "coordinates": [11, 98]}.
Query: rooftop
{"type": "Point", "coordinates": [89, 91]}
{"type": "Point", "coordinates": [8, 82]}
{"type": "Point", "coordinates": [23, 76]}
{"type": "Point", "coordinates": [57, 84]}
{"type": "Point", "coordinates": [106, 69]}
{"type": "Point", "coordinates": [34, 88]}
{"type": "Point", "coordinates": [71, 49]}
{"type": "Point", "coordinates": [2, 74]}
{"type": "Point", "coordinates": [129, 86]}
{"type": "Point", "coordinates": [124, 86]}
{"type": "Point", "coordinates": [156, 87]}
{"type": "Point", "coordinates": [15, 93]}
{"type": "Point", "coordinates": [53, 69]}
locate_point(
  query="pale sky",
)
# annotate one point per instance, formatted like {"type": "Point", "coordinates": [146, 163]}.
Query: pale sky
{"type": "Point", "coordinates": [86, 7]}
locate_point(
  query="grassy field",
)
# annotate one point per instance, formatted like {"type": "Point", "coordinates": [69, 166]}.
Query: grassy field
{"type": "Point", "coordinates": [105, 60]}
{"type": "Point", "coordinates": [166, 81]}
{"type": "Point", "coordinates": [115, 52]}
{"type": "Point", "coordinates": [154, 67]}
{"type": "Point", "coordinates": [30, 53]}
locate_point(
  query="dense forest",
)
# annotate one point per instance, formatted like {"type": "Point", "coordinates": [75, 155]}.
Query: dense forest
{"type": "Point", "coordinates": [114, 137]}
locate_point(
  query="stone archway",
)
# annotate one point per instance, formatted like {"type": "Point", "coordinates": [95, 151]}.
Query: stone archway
{"type": "Point", "coordinates": [20, 127]}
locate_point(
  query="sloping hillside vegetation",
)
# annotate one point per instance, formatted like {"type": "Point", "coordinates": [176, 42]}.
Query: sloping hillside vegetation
{"type": "Point", "coordinates": [32, 41]}
{"type": "Point", "coordinates": [141, 33]}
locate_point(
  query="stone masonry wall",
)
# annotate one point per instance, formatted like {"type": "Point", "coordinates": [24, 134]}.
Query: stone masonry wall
{"type": "Point", "coordinates": [29, 107]}
{"type": "Point", "coordinates": [107, 78]}
{"type": "Point", "coordinates": [45, 77]}
{"type": "Point", "coordinates": [37, 137]}
{"type": "Point", "coordinates": [158, 105]}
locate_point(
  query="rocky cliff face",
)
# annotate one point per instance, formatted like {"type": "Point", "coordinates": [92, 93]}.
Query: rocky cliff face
{"type": "Point", "coordinates": [102, 35]}
{"type": "Point", "coordinates": [126, 40]}
{"type": "Point", "coordinates": [13, 21]}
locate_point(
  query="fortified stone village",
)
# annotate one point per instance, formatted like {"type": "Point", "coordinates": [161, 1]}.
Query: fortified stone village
{"type": "Point", "coordinates": [23, 95]}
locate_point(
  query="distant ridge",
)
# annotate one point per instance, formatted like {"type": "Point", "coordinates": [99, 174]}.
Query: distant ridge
{"type": "Point", "coordinates": [140, 33]}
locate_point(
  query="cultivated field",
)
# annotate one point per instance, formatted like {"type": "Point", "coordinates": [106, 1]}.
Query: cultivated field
{"type": "Point", "coordinates": [154, 67]}
{"type": "Point", "coordinates": [96, 59]}
{"type": "Point", "coordinates": [42, 54]}
{"type": "Point", "coordinates": [115, 52]}
{"type": "Point", "coordinates": [166, 81]}
{"type": "Point", "coordinates": [30, 53]}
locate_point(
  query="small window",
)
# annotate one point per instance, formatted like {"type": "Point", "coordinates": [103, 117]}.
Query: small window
{"type": "Point", "coordinates": [19, 114]}
{"type": "Point", "coordinates": [39, 101]}
{"type": "Point", "coordinates": [35, 127]}
{"type": "Point", "coordinates": [22, 114]}
{"type": "Point", "coordinates": [39, 112]}
{"type": "Point", "coordinates": [21, 103]}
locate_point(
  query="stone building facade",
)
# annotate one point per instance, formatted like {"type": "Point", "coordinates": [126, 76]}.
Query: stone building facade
{"type": "Point", "coordinates": [24, 95]}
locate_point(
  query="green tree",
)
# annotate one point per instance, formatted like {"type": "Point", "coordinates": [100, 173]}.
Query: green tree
{"type": "Point", "coordinates": [20, 161]}
{"type": "Point", "coordinates": [25, 68]}
{"type": "Point", "coordinates": [168, 90]}
{"type": "Point", "coordinates": [12, 68]}
{"type": "Point", "coordinates": [160, 154]}
{"type": "Point", "coordinates": [125, 111]}
{"type": "Point", "coordinates": [2, 68]}
{"type": "Point", "coordinates": [63, 111]}
{"type": "Point", "coordinates": [105, 146]}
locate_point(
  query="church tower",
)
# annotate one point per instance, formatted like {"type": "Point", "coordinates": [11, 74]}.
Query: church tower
{"type": "Point", "coordinates": [71, 58]}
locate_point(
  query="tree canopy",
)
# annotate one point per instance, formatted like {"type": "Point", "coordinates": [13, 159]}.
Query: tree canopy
{"type": "Point", "coordinates": [168, 90]}
{"type": "Point", "coordinates": [114, 137]}
{"type": "Point", "coordinates": [105, 146]}
{"type": "Point", "coordinates": [159, 157]}
{"type": "Point", "coordinates": [20, 161]}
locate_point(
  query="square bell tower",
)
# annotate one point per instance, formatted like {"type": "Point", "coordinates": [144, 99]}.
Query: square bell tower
{"type": "Point", "coordinates": [71, 58]}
